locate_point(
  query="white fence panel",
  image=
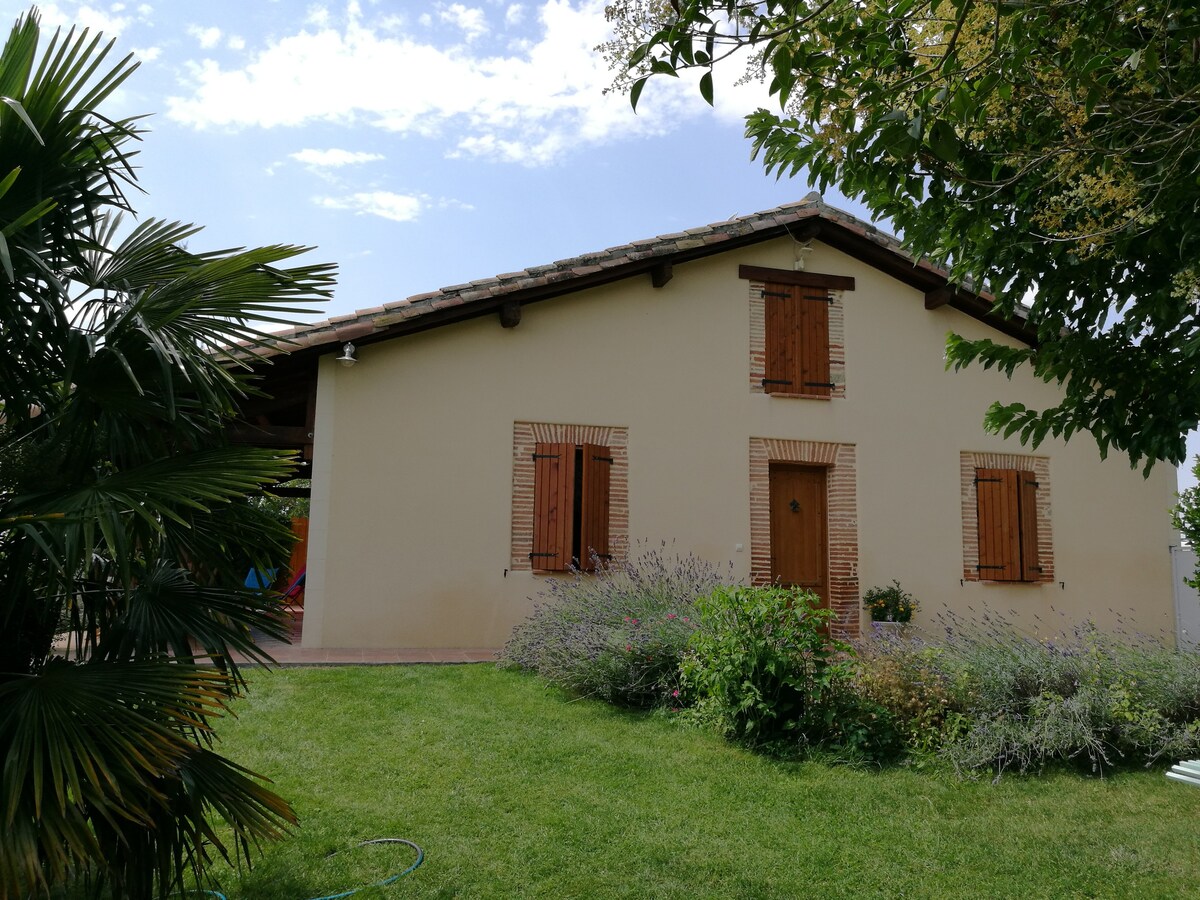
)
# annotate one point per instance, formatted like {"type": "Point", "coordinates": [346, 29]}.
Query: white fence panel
{"type": "Point", "coordinates": [1187, 601]}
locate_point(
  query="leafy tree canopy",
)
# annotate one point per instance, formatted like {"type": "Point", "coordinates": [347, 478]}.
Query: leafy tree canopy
{"type": "Point", "coordinates": [1046, 149]}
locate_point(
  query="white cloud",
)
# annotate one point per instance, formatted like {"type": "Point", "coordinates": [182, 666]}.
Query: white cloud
{"type": "Point", "coordinates": [236, 42]}
{"type": "Point", "coordinates": [528, 104]}
{"type": "Point", "coordinates": [334, 158]}
{"type": "Point", "coordinates": [385, 204]}
{"type": "Point", "coordinates": [515, 14]}
{"type": "Point", "coordinates": [147, 54]}
{"type": "Point", "coordinates": [471, 20]}
{"type": "Point", "coordinates": [206, 37]}
{"type": "Point", "coordinates": [84, 15]}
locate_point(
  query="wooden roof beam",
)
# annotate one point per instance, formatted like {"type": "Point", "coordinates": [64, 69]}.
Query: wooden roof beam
{"type": "Point", "coordinates": [510, 314]}
{"type": "Point", "coordinates": [939, 297]}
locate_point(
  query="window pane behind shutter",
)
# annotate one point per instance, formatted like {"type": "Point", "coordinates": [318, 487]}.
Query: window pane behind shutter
{"type": "Point", "coordinates": [999, 525]}
{"type": "Point", "coordinates": [814, 343]}
{"type": "Point", "coordinates": [553, 505]}
{"type": "Point", "coordinates": [593, 537]}
{"type": "Point", "coordinates": [1030, 570]}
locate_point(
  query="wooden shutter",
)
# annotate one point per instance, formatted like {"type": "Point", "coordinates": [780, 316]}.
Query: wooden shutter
{"type": "Point", "coordinates": [1031, 569]}
{"type": "Point", "coordinates": [813, 337]}
{"type": "Point", "coordinates": [998, 503]}
{"type": "Point", "coordinates": [553, 506]}
{"type": "Point", "coordinates": [593, 523]}
{"type": "Point", "coordinates": [797, 340]}
{"type": "Point", "coordinates": [779, 308]}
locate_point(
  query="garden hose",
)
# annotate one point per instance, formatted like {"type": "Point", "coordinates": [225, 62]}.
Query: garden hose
{"type": "Point", "coordinates": [339, 896]}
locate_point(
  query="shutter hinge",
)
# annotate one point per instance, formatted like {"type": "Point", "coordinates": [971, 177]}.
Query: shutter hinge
{"type": "Point", "coordinates": [607, 459]}
{"type": "Point", "coordinates": [767, 381]}
{"type": "Point", "coordinates": [545, 456]}
{"type": "Point", "coordinates": [824, 298]}
{"type": "Point", "coordinates": [821, 384]}
{"type": "Point", "coordinates": [1033, 483]}
{"type": "Point", "coordinates": [989, 480]}
{"type": "Point", "coordinates": [532, 555]}
{"type": "Point", "coordinates": [782, 295]}
{"type": "Point", "coordinates": [991, 567]}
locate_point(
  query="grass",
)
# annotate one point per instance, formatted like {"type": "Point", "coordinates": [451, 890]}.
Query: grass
{"type": "Point", "coordinates": [513, 790]}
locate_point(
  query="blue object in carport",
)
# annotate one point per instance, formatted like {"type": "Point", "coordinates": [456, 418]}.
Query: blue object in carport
{"type": "Point", "coordinates": [258, 580]}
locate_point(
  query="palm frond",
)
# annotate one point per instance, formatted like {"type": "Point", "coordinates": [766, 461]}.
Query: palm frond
{"type": "Point", "coordinates": [168, 611]}
{"type": "Point", "coordinates": [119, 512]}
{"type": "Point", "coordinates": [153, 861]}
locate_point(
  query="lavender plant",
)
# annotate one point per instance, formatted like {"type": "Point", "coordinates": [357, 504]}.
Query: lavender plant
{"type": "Point", "coordinates": [1082, 696]}
{"type": "Point", "coordinates": [620, 633]}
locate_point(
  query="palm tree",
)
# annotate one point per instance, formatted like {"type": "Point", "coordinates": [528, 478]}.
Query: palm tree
{"type": "Point", "coordinates": [124, 525]}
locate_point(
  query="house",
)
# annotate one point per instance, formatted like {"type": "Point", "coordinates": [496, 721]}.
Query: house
{"type": "Point", "coordinates": [769, 390]}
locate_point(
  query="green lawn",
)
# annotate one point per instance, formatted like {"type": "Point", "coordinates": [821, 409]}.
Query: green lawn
{"type": "Point", "coordinates": [515, 791]}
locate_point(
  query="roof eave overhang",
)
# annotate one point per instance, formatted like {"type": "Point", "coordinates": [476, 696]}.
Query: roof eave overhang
{"type": "Point", "coordinates": [807, 226]}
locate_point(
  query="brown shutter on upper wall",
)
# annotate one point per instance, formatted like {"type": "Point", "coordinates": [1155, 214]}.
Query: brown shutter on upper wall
{"type": "Point", "coordinates": [553, 506]}
{"type": "Point", "coordinates": [1030, 566]}
{"type": "Point", "coordinates": [593, 525]}
{"type": "Point", "coordinates": [813, 335]}
{"type": "Point", "coordinates": [780, 315]}
{"type": "Point", "coordinates": [998, 501]}
{"type": "Point", "coordinates": [797, 340]}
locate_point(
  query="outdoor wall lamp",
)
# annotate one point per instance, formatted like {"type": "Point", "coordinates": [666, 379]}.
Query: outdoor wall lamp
{"type": "Point", "coordinates": [347, 358]}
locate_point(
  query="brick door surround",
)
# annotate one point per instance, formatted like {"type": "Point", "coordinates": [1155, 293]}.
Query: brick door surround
{"type": "Point", "coordinates": [842, 493]}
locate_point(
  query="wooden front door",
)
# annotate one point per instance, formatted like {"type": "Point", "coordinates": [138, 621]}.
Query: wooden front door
{"type": "Point", "coordinates": [799, 529]}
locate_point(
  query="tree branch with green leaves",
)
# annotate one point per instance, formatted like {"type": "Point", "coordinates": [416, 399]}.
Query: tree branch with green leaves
{"type": "Point", "coordinates": [1047, 149]}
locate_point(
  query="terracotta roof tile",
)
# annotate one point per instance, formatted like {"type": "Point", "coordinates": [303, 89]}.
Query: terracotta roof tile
{"type": "Point", "coordinates": [603, 264]}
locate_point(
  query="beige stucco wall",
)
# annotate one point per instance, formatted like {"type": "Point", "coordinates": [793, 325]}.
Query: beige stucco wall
{"type": "Point", "coordinates": [412, 481]}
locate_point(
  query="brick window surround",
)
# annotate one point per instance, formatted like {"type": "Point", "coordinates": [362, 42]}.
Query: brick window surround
{"type": "Point", "coordinates": [842, 517]}
{"type": "Point", "coordinates": [526, 437]}
{"type": "Point", "coordinates": [758, 279]}
{"type": "Point", "coordinates": [969, 461]}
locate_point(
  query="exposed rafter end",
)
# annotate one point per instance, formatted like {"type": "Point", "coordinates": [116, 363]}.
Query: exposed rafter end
{"type": "Point", "coordinates": [807, 232]}
{"type": "Point", "coordinates": [661, 274]}
{"type": "Point", "coordinates": [510, 314]}
{"type": "Point", "coordinates": [938, 297]}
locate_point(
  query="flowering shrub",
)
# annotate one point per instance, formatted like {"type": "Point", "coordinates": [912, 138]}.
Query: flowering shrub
{"type": "Point", "coordinates": [905, 677]}
{"type": "Point", "coordinates": [618, 634]}
{"type": "Point", "coordinates": [890, 604]}
{"type": "Point", "coordinates": [763, 666]}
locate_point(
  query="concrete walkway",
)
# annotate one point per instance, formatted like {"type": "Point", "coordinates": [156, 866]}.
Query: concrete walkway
{"type": "Point", "coordinates": [295, 655]}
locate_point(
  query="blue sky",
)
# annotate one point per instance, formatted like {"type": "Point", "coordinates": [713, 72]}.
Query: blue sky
{"type": "Point", "coordinates": [417, 145]}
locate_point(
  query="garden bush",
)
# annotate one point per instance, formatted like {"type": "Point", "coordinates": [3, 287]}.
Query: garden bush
{"type": "Point", "coordinates": [1084, 697]}
{"type": "Point", "coordinates": [619, 634]}
{"type": "Point", "coordinates": [907, 678]}
{"type": "Point", "coordinates": [763, 667]}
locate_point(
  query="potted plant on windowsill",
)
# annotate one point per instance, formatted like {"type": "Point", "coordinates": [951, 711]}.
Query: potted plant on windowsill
{"type": "Point", "coordinates": [891, 608]}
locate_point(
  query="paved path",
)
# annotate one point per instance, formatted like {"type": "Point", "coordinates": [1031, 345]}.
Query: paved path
{"type": "Point", "coordinates": [295, 655]}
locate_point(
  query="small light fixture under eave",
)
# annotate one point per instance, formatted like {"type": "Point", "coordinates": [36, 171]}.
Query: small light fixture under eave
{"type": "Point", "coordinates": [347, 358]}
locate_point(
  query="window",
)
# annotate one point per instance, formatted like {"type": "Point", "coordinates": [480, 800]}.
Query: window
{"type": "Point", "coordinates": [797, 332]}
{"type": "Point", "coordinates": [1007, 511]}
{"type": "Point", "coordinates": [797, 340]}
{"type": "Point", "coordinates": [571, 506]}
{"type": "Point", "coordinates": [564, 520]}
